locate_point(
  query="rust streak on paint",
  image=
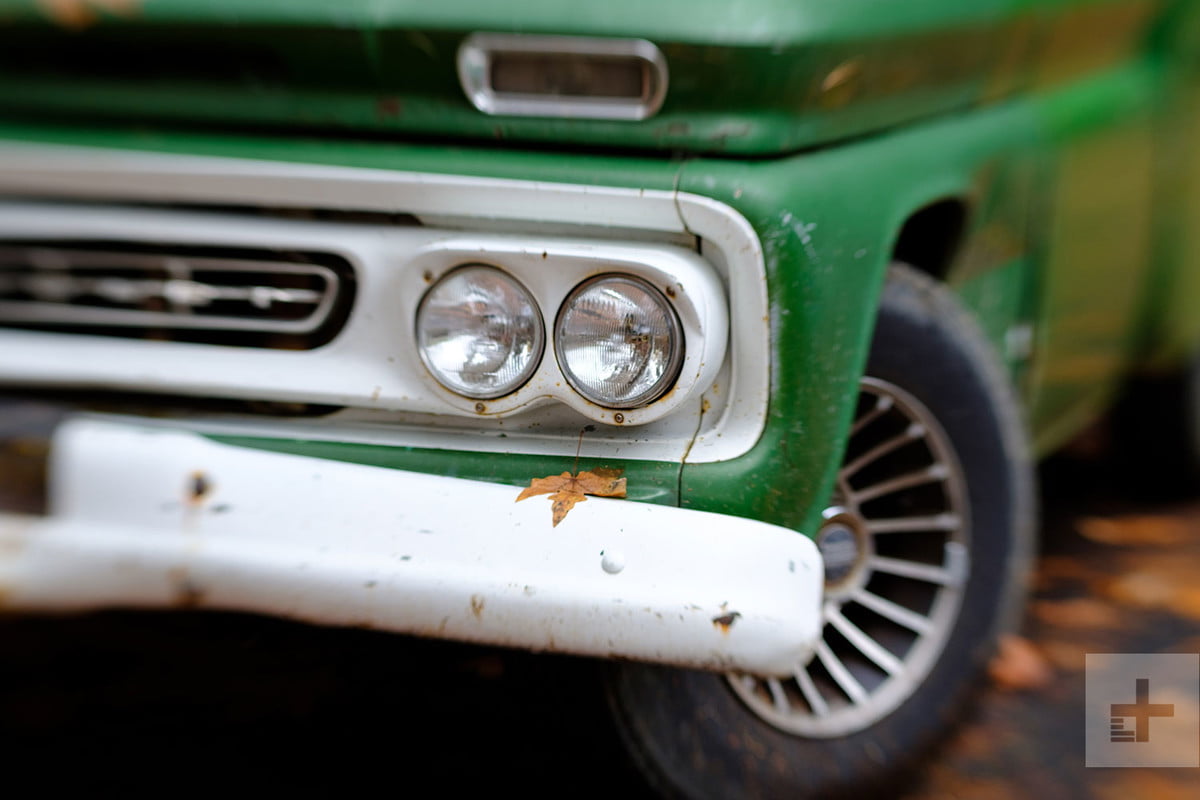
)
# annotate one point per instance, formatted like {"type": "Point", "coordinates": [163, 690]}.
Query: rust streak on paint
{"type": "Point", "coordinates": [724, 622]}
{"type": "Point", "coordinates": [389, 107]}
{"type": "Point", "coordinates": [842, 84]}
{"type": "Point", "coordinates": [80, 14]}
{"type": "Point", "coordinates": [198, 488]}
{"type": "Point", "coordinates": [187, 593]}
{"type": "Point", "coordinates": [477, 606]}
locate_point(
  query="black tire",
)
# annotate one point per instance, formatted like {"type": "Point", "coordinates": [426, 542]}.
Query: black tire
{"type": "Point", "coordinates": [695, 737]}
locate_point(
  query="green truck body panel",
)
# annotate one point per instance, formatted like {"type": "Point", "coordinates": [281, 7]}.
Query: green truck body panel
{"type": "Point", "coordinates": [753, 77]}
{"type": "Point", "coordinates": [646, 481]}
{"type": "Point", "coordinates": [1062, 132]}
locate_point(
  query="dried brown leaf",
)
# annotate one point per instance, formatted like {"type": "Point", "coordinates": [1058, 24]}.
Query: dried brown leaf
{"type": "Point", "coordinates": [566, 490]}
{"type": "Point", "coordinates": [1065, 656]}
{"type": "Point", "coordinates": [1079, 612]}
{"type": "Point", "coordinates": [1053, 571]}
{"type": "Point", "coordinates": [1141, 589]}
{"type": "Point", "coordinates": [1019, 665]}
{"type": "Point", "coordinates": [1126, 784]}
{"type": "Point", "coordinates": [1186, 602]}
{"type": "Point", "coordinates": [1152, 530]}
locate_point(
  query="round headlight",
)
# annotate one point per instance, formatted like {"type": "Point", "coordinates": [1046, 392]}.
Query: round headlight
{"type": "Point", "coordinates": [618, 341]}
{"type": "Point", "coordinates": [479, 332]}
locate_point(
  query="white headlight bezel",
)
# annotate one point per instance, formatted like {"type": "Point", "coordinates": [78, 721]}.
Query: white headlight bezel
{"type": "Point", "coordinates": [550, 272]}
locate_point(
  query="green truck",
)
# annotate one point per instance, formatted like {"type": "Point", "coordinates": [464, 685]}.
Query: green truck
{"type": "Point", "coordinates": [779, 302]}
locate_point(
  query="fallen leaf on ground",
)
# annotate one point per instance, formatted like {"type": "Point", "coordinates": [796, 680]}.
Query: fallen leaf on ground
{"type": "Point", "coordinates": [1018, 665]}
{"type": "Point", "coordinates": [1163, 531]}
{"type": "Point", "coordinates": [1157, 582]}
{"type": "Point", "coordinates": [1141, 589]}
{"type": "Point", "coordinates": [941, 781]}
{"type": "Point", "coordinates": [1078, 612]}
{"type": "Point", "coordinates": [1123, 784]}
{"type": "Point", "coordinates": [566, 490]}
{"type": "Point", "coordinates": [1066, 656]}
{"type": "Point", "coordinates": [1186, 602]}
{"type": "Point", "coordinates": [1055, 569]}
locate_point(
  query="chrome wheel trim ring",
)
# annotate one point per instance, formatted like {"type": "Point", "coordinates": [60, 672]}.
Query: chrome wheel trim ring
{"type": "Point", "coordinates": [836, 702]}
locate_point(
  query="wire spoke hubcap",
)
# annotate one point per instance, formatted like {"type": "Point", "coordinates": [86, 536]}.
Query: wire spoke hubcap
{"type": "Point", "coordinates": [895, 545]}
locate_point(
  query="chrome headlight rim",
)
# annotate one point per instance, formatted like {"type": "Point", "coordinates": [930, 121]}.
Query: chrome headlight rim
{"type": "Point", "coordinates": [529, 370]}
{"type": "Point", "coordinates": [671, 374]}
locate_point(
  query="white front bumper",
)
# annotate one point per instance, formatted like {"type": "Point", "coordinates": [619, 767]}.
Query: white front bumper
{"type": "Point", "coordinates": [337, 543]}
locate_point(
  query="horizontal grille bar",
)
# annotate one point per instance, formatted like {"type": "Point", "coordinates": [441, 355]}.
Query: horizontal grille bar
{"type": "Point", "coordinates": [185, 294]}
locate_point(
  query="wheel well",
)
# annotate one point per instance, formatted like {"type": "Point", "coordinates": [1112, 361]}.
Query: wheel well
{"type": "Point", "coordinates": [931, 237]}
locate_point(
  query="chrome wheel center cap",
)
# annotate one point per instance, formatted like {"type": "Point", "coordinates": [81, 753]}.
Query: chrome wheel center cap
{"type": "Point", "coordinates": [845, 548]}
{"type": "Point", "coordinates": [839, 547]}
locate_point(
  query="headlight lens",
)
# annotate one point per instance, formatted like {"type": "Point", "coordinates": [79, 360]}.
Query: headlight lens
{"type": "Point", "coordinates": [479, 332]}
{"type": "Point", "coordinates": [618, 341]}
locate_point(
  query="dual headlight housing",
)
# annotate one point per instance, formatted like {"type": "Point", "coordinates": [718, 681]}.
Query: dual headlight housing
{"type": "Point", "coordinates": [604, 337]}
{"type": "Point", "coordinates": [617, 339]}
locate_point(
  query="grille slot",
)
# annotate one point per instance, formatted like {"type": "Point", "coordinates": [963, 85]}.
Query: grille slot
{"type": "Point", "coordinates": [250, 298]}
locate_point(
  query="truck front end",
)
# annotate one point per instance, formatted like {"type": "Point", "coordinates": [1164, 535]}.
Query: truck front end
{"type": "Point", "coordinates": [318, 294]}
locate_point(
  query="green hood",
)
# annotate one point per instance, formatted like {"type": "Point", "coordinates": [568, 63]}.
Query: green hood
{"type": "Point", "coordinates": [746, 76]}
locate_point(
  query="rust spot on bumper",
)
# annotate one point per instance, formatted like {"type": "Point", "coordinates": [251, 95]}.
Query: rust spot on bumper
{"type": "Point", "coordinates": [724, 622]}
{"type": "Point", "coordinates": [199, 487]}
{"type": "Point", "coordinates": [187, 593]}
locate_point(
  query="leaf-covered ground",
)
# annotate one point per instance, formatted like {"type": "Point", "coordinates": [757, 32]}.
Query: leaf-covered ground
{"type": "Point", "coordinates": [1119, 573]}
